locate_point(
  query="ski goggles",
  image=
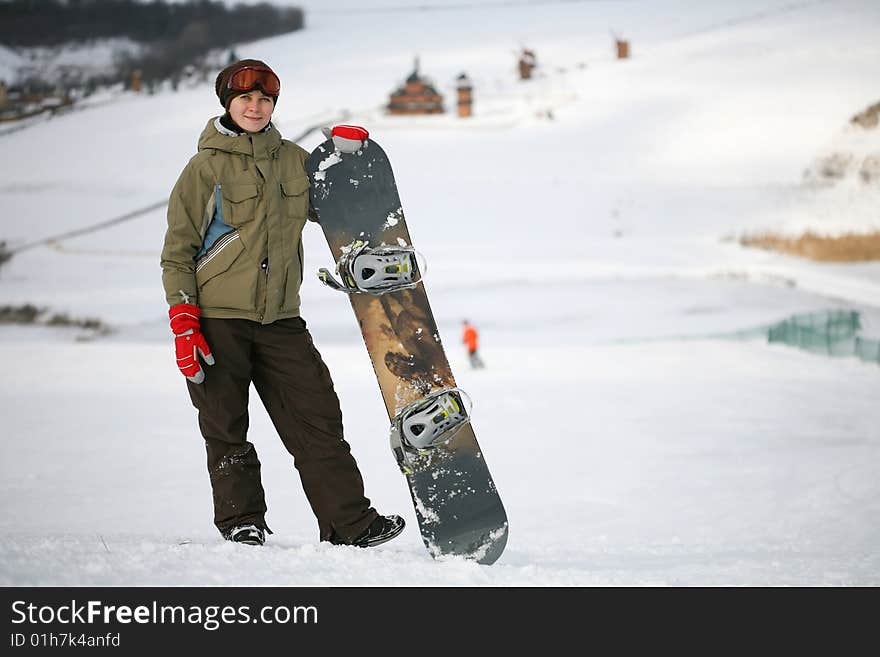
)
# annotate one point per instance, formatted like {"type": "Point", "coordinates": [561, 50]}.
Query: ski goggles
{"type": "Point", "coordinates": [249, 77]}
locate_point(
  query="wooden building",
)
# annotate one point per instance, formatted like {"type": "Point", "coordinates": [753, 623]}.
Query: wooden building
{"type": "Point", "coordinates": [416, 96]}
{"type": "Point", "coordinates": [465, 89]}
{"type": "Point", "coordinates": [527, 63]}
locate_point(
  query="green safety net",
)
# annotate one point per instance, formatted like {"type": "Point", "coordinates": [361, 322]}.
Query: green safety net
{"type": "Point", "coordinates": [833, 332]}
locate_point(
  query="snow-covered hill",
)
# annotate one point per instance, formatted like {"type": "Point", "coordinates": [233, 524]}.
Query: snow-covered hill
{"type": "Point", "coordinates": [10, 63]}
{"type": "Point", "coordinates": [583, 220]}
{"type": "Point", "coordinates": [69, 62]}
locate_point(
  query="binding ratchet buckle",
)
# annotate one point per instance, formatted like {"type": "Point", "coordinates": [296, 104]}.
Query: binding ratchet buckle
{"type": "Point", "coordinates": [375, 271]}
{"type": "Point", "coordinates": [427, 423]}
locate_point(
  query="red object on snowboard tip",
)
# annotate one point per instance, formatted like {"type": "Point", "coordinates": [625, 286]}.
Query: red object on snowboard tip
{"type": "Point", "coordinates": [354, 132]}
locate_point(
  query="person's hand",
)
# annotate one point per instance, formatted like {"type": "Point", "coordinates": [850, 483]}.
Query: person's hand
{"type": "Point", "coordinates": [189, 342]}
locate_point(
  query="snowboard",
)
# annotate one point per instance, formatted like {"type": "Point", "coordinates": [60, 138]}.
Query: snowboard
{"type": "Point", "coordinates": [355, 200]}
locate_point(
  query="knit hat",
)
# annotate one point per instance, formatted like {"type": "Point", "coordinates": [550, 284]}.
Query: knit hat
{"type": "Point", "coordinates": [225, 94]}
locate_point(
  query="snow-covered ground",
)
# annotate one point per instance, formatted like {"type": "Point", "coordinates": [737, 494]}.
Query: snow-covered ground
{"type": "Point", "coordinates": [585, 221]}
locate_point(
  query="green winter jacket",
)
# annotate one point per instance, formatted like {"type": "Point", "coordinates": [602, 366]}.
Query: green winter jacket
{"type": "Point", "coordinates": [253, 271]}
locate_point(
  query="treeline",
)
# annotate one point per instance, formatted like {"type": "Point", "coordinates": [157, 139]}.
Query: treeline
{"type": "Point", "coordinates": [178, 36]}
{"type": "Point", "coordinates": [53, 22]}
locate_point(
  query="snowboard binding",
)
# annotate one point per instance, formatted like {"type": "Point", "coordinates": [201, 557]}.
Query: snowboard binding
{"type": "Point", "coordinates": [428, 423]}
{"type": "Point", "coordinates": [375, 271]}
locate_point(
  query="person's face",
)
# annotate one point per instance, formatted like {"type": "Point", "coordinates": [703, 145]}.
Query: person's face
{"type": "Point", "coordinates": [251, 111]}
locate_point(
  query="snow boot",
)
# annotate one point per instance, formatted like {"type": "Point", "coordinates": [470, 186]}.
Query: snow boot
{"type": "Point", "coordinates": [247, 534]}
{"type": "Point", "coordinates": [381, 530]}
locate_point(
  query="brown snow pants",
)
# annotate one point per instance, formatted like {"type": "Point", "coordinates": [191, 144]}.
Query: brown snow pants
{"type": "Point", "coordinates": [295, 387]}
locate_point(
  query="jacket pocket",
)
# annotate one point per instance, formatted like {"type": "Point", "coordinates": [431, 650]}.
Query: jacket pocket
{"type": "Point", "coordinates": [240, 202]}
{"type": "Point", "coordinates": [295, 197]}
{"type": "Point", "coordinates": [225, 276]}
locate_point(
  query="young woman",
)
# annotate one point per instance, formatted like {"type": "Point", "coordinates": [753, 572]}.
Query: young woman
{"type": "Point", "coordinates": [232, 266]}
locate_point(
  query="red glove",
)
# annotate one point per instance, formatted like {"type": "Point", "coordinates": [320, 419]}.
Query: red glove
{"type": "Point", "coordinates": [189, 341]}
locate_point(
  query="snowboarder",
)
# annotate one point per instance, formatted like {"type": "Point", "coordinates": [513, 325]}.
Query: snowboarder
{"type": "Point", "coordinates": [232, 269]}
{"type": "Point", "coordinates": [470, 338]}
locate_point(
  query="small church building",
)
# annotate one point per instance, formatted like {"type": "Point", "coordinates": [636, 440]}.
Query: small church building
{"type": "Point", "coordinates": [416, 96]}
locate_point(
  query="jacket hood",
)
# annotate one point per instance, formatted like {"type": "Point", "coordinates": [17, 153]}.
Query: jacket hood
{"type": "Point", "coordinates": [212, 137]}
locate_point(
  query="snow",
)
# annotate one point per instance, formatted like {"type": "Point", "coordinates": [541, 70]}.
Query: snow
{"type": "Point", "coordinates": [639, 429]}
{"type": "Point", "coordinates": [80, 60]}
{"type": "Point", "coordinates": [9, 65]}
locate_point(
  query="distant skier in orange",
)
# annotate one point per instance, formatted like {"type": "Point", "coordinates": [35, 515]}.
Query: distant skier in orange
{"type": "Point", "coordinates": [470, 338]}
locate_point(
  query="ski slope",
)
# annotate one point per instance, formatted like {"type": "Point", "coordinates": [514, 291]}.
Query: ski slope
{"type": "Point", "coordinates": [585, 221]}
